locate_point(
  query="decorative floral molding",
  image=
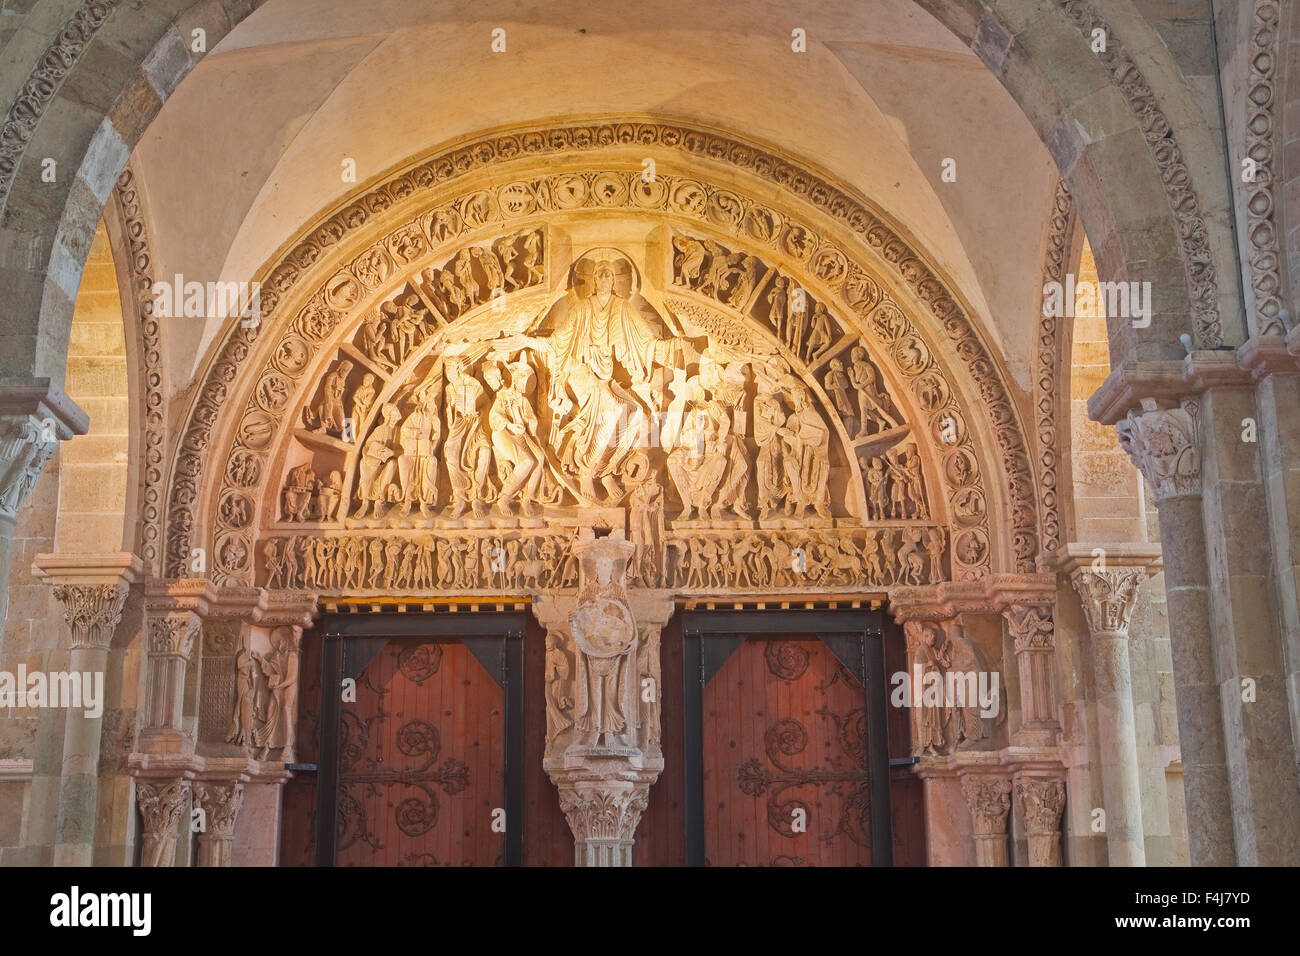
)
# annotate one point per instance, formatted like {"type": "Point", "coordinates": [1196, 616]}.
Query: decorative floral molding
{"type": "Point", "coordinates": [1048, 380]}
{"type": "Point", "coordinates": [136, 236]}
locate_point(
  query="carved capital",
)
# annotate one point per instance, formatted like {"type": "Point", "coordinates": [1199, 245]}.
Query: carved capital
{"type": "Point", "coordinates": [1108, 596]}
{"type": "Point", "coordinates": [1041, 801]}
{"type": "Point", "coordinates": [220, 803]}
{"type": "Point", "coordinates": [1031, 628]}
{"type": "Point", "coordinates": [989, 799]}
{"type": "Point", "coordinates": [162, 805]}
{"type": "Point", "coordinates": [92, 611]}
{"type": "Point", "coordinates": [603, 818]}
{"type": "Point", "coordinates": [1165, 446]}
{"type": "Point", "coordinates": [173, 634]}
{"type": "Point", "coordinates": [26, 444]}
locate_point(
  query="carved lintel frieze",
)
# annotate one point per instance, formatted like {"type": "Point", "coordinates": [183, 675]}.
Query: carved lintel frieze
{"type": "Point", "coordinates": [162, 806]}
{"type": "Point", "coordinates": [1041, 801]}
{"type": "Point", "coordinates": [220, 803]}
{"type": "Point", "coordinates": [989, 799]}
{"type": "Point", "coordinates": [1108, 596]}
{"type": "Point", "coordinates": [1165, 446]}
{"type": "Point", "coordinates": [92, 611]}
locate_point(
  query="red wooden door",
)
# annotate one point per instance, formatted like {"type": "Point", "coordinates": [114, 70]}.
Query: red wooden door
{"type": "Point", "coordinates": [785, 772]}
{"type": "Point", "coordinates": [422, 760]}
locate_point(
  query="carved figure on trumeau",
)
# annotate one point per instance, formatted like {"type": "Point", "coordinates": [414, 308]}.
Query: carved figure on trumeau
{"type": "Point", "coordinates": [559, 689]}
{"type": "Point", "coordinates": [605, 641]}
{"type": "Point", "coordinates": [279, 668]}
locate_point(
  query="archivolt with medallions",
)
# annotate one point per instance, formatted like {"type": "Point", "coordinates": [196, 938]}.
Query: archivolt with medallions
{"type": "Point", "coordinates": [732, 386]}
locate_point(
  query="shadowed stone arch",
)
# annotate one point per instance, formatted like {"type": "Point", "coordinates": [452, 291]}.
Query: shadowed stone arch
{"type": "Point", "coordinates": [103, 77]}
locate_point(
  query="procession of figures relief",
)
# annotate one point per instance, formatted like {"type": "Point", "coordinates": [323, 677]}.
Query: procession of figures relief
{"type": "Point", "coordinates": [597, 409]}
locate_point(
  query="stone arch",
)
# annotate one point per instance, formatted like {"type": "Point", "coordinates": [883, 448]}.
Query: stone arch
{"type": "Point", "coordinates": [846, 256]}
{"type": "Point", "coordinates": [140, 60]}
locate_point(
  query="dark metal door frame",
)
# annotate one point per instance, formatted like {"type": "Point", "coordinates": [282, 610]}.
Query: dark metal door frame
{"type": "Point", "coordinates": [478, 631]}
{"type": "Point", "coordinates": [709, 637]}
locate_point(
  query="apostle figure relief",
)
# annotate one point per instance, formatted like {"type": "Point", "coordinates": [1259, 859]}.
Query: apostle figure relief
{"type": "Point", "coordinates": [691, 432]}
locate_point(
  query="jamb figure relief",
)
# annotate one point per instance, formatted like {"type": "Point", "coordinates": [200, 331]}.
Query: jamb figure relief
{"type": "Point", "coordinates": [559, 700]}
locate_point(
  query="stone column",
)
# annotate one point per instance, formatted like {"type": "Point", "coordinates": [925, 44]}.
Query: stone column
{"type": "Point", "coordinates": [1273, 362]}
{"type": "Point", "coordinates": [602, 726]}
{"type": "Point", "coordinates": [163, 804]}
{"type": "Point", "coordinates": [989, 799]}
{"type": "Point", "coordinates": [1207, 606]}
{"type": "Point", "coordinates": [1033, 633]}
{"type": "Point", "coordinates": [220, 802]}
{"type": "Point", "coordinates": [35, 415]}
{"type": "Point", "coordinates": [1041, 800]}
{"type": "Point", "coordinates": [1108, 595]}
{"type": "Point", "coordinates": [92, 590]}
{"type": "Point", "coordinates": [171, 643]}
